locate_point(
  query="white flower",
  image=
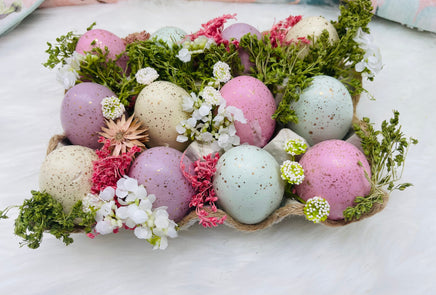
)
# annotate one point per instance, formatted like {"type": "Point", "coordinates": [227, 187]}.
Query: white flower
{"type": "Point", "coordinates": [372, 60]}
{"type": "Point", "coordinates": [221, 72]}
{"type": "Point", "coordinates": [91, 201]}
{"type": "Point", "coordinates": [112, 108]}
{"type": "Point", "coordinates": [295, 146]}
{"type": "Point", "coordinates": [292, 172]}
{"type": "Point", "coordinates": [74, 60]}
{"type": "Point", "coordinates": [107, 194]}
{"type": "Point", "coordinates": [182, 138]}
{"type": "Point", "coordinates": [204, 110]}
{"type": "Point", "coordinates": [105, 210]}
{"type": "Point", "coordinates": [67, 76]}
{"type": "Point", "coordinates": [142, 232]}
{"type": "Point", "coordinates": [184, 55]}
{"type": "Point", "coordinates": [128, 190]}
{"type": "Point", "coordinates": [188, 102]}
{"type": "Point", "coordinates": [317, 209]}
{"type": "Point", "coordinates": [237, 114]}
{"type": "Point", "coordinates": [211, 96]}
{"type": "Point", "coordinates": [146, 76]}
{"type": "Point", "coordinates": [104, 227]}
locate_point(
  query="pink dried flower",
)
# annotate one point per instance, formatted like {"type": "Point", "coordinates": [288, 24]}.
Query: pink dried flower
{"type": "Point", "coordinates": [278, 31]}
{"type": "Point", "coordinates": [213, 29]}
{"type": "Point", "coordinates": [109, 169]}
{"type": "Point", "coordinates": [201, 181]}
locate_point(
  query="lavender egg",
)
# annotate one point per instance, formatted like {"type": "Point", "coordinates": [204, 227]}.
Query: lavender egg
{"type": "Point", "coordinates": [324, 110]}
{"type": "Point", "coordinates": [257, 103]}
{"type": "Point", "coordinates": [237, 31]}
{"type": "Point", "coordinates": [81, 114]}
{"type": "Point", "coordinates": [158, 169]}
{"type": "Point", "coordinates": [101, 38]}
{"type": "Point", "coordinates": [335, 171]}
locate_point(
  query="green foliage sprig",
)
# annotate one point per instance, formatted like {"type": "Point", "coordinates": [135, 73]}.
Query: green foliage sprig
{"type": "Point", "coordinates": [386, 151]}
{"type": "Point", "coordinates": [62, 49]}
{"type": "Point", "coordinates": [43, 213]}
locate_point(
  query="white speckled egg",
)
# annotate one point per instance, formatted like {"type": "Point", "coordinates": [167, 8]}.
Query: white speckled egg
{"type": "Point", "coordinates": [248, 184]}
{"type": "Point", "coordinates": [257, 103]}
{"type": "Point", "coordinates": [66, 174]}
{"type": "Point", "coordinates": [324, 110]}
{"type": "Point", "coordinates": [159, 107]}
{"type": "Point", "coordinates": [170, 35]}
{"type": "Point", "coordinates": [311, 26]}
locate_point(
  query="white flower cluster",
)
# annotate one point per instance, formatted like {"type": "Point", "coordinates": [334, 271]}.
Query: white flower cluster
{"type": "Point", "coordinates": [193, 47]}
{"type": "Point", "coordinates": [68, 74]}
{"type": "Point", "coordinates": [211, 120]}
{"type": "Point", "coordinates": [112, 108]}
{"type": "Point", "coordinates": [292, 172]}
{"type": "Point", "coordinates": [146, 76]}
{"type": "Point", "coordinates": [221, 72]}
{"type": "Point", "coordinates": [317, 209]}
{"type": "Point", "coordinates": [295, 147]}
{"type": "Point", "coordinates": [372, 59]}
{"type": "Point", "coordinates": [135, 212]}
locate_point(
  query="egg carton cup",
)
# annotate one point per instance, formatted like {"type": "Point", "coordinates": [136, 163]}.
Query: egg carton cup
{"type": "Point", "coordinates": [289, 207]}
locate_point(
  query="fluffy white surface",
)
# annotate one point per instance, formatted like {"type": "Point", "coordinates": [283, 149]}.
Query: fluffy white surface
{"type": "Point", "coordinates": [390, 253]}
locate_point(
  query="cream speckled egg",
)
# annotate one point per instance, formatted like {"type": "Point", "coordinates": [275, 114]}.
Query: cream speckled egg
{"type": "Point", "coordinates": [311, 26]}
{"type": "Point", "coordinates": [159, 107]}
{"type": "Point", "coordinates": [248, 183]}
{"type": "Point", "coordinates": [324, 110]}
{"type": "Point", "coordinates": [66, 174]}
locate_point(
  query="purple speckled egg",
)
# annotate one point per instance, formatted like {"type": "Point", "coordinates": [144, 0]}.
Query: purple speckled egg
{"type": "Point", "coordinates": [101, 38]}
{"type": "Point", "coordinates": [332, 171]}
{"type": "Point", "coordinates": [237, 31]}
{"type": "Point", "coordinates": [257, 103]}
{"type": "Point", "coordinates": [81, 114]}
{"type": "Point", "coordinates": [158, 169]}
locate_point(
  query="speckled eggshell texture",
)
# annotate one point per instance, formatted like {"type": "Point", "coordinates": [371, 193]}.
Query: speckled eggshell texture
{"type": "Point", "coordinates": [158, 169]}
{"type": "Point", "coordinates": [324, 110]}
{"type": "Point", "coordinates": [66, 174]}
{"type": "Point", "coordinates": [331, 171]}
{"type": "Point", "coordinates": [170, 35]}
{"type": "Point", "coordinates": [100, 39]}
{"type": "Point", "coordinates": [311, 26]}
{"type": "Point", "coordinates": [159, 107]}
{"type": "Point", "coordinates": [248, 184]}
{"type": "Point", "coordinates": [81, 114]}
{"type": "Point", "coordinates": [257, 103]}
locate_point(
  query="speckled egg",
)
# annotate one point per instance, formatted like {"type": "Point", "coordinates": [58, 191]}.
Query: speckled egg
{"type": "Point", "coordinates": [311, 26]}
{"type": "Point", "coordinates": [324, 110]}
{"type": "Point", "coordinates": [158, 169]}
{"type": "Point", "coordinates": [332, 171]}
{"type": "Point", "coordinates": [81, 114]}
{"type": "Point", "coordinates": [66, 174]}
{"type": "Point", "coordinates": [170, 35]}
{"type": "Point", "coordinates": [257, 103]}
{"type": "Point", "coordinates": [248, 184]}
{"type": "Point", "coordinates": [98, 38]}
{"type": "Point", "coordinates": [159, 106]}
{"type": "Point", "coordinates": [237, 31]}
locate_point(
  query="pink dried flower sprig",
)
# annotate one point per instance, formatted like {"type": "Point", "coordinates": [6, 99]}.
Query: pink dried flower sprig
{"type": "Point", "coordinates": [108, 169]}
{"type": "Point", "coordinates": [201, 181]}
{"type": "Point", "coordinates": [213, 29]}
{"type": "Point", "coordinates": [278, 32]}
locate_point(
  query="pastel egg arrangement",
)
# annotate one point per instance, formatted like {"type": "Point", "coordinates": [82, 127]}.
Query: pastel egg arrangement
{"type": "Point", "coordinates": [186, 135]}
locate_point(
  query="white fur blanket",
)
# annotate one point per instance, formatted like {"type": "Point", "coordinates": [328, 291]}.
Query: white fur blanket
{"type": "Point", "coordinates": [390, 253]}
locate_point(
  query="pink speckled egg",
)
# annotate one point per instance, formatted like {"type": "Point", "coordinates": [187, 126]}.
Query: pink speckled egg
{"type": "Point", "coordinates": [332, 171]}
{"type": "Point", "coordinates": [257, 103]}
{"type": "Point", "coordinates": [237, 31]}
{"type": "Point", "coordinates": [158, 169]}
{"type": "Point", "coordinates": [81, 114]}
{"type": "Point", "coordinates": [101, 38]}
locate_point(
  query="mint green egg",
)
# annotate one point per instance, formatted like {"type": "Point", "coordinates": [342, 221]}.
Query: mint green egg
{"type": "Point", "coordinates": [248, 184]}
{"type": "Point", "coordinates": [324, 110]}
{"type": "Point", "coordinates": [170, 35]}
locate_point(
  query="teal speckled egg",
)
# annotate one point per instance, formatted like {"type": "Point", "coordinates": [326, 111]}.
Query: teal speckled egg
{"type": "Point", "coordinates": [248, 184]}
{"type": "Point", "coordinates": [170, 35]}
{"type": "Point", "coordinates": [324, 110]}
